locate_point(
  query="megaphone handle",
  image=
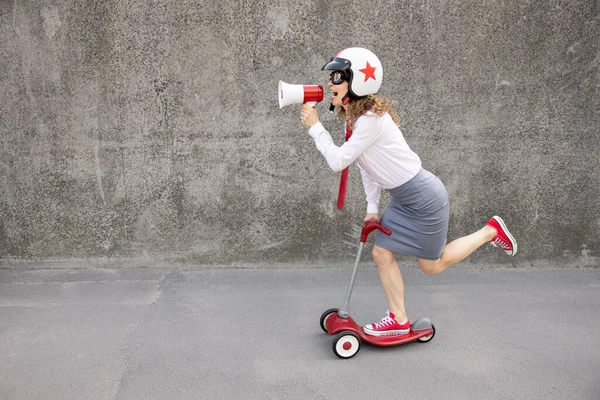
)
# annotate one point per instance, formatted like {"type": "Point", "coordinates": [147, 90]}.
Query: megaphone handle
{"type": "Point", "coordinates": [312, 103]}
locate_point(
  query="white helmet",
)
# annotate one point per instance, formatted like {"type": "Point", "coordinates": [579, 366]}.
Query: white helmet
{"type": "Point", "coordinates": [363, 69]}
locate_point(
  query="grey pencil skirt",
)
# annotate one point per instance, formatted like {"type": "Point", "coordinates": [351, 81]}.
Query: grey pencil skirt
{"type": "Point", "coordinates": [418, 216]}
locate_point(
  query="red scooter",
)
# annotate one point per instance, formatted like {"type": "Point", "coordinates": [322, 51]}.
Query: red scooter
{"type": "Point", "coordinates": [348, 334]}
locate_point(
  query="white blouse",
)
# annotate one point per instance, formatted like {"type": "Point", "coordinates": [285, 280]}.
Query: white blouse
{"type": "Point", "coordinates": [384, 158]}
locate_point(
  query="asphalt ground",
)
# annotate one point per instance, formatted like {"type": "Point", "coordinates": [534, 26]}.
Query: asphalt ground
{"type": "Point", "coordinates": [177, 332]}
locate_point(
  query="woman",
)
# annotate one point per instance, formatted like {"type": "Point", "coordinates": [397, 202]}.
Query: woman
{"type": "Point", "coordinates": [418, 212]}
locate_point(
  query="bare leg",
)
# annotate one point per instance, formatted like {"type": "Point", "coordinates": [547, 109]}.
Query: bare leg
{"type": "Point", "coordinates": [391, 280]}
{"type": "Point", "coordinates": [458, 250]}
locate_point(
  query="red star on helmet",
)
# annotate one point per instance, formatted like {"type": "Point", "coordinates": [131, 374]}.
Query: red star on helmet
{"type": "Point", "coordinates": [369, 72]}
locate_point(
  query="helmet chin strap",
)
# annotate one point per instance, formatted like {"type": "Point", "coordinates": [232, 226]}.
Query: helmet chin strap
{"type": "Point", "coordinates": [345, 100]}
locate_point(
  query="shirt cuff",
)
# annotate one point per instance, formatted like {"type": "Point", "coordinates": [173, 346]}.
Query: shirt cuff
{"type": "Point", "coordinates": [373, 208]}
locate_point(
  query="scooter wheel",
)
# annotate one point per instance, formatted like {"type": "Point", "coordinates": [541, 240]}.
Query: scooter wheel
{"type": "Point", "coordinates": [326, 315]}
{"type": "Point", "coordinates": [427, 338]}
{"type": "Point", "coordinates": [346, 344]}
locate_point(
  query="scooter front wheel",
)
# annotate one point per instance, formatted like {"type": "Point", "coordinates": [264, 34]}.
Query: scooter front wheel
{"type": "Point", "coordinates": [326, 315]}
{"type": "Point", "coordinates": [346, 344]}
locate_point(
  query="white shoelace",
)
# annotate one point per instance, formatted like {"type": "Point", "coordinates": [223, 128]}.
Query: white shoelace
{"type": "Point", "coordinates": [498, 241]}
{"type": "Point", "coordinates": [385, 322]}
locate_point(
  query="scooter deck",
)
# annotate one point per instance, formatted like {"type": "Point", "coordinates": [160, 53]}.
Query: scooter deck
{"type": "Point", "coordinates": [335, 324]}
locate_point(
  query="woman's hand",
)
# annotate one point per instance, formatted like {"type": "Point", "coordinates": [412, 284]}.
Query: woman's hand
{"type": "Point", "coordinates": [371, 216]}
{"type": "Point", "coordinates": [309, 115]}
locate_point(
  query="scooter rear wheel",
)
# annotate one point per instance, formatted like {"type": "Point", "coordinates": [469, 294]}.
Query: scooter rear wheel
{"type": "Point", "coordinates": [326, 315]}
{"type": "Point", "coordinates": [346, 344]}
{"type": "Point", "coordinates": [427, 338]}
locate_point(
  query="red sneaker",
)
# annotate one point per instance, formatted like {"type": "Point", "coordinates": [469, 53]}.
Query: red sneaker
{"type": "Point", "coordinates": [387, 326]}
{"type": "Point", "coordinates": [503, 238]}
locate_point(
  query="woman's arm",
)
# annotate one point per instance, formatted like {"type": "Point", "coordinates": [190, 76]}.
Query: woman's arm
{"type": "Point", "coordinates": [372, 191]}
{"type": "Point", "coordinates": [366, 131]}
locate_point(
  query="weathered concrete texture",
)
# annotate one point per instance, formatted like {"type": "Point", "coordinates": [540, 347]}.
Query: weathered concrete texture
{"type": "Point", "coordinates": [146, 129]}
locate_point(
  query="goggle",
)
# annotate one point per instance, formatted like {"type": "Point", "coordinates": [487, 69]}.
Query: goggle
{"type": "Point", "coordinates": [338, 77]}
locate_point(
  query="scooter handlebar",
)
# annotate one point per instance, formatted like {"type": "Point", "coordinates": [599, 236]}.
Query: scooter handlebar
{"type": "Point", "coordinates": [370, 226]}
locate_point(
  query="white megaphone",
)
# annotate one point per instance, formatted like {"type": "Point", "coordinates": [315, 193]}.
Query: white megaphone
{"type": "Point", "coordinates": [296, 94]}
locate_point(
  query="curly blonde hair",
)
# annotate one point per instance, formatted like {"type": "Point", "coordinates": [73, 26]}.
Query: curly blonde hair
{"type": "Point", "coordinates": [377, 104]}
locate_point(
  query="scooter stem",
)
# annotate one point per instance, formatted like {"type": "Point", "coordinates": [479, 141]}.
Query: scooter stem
{"type": "Point", "coordinates": [344, 310]}
{"type": "Point", "coordinates": [368, 227]}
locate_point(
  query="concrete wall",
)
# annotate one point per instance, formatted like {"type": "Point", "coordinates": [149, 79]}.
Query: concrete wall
{"type": "Point", "coordinates": [133, 128]}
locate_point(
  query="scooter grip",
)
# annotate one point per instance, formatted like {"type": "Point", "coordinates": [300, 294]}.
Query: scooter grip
{"type": "Point", "coordinates": [370, 226]}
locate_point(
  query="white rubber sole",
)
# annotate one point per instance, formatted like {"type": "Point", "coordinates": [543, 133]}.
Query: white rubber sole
{"type": "Point", "coordinates": [385, 333]}
{"type": "Point", "coordinates": [513, 242]}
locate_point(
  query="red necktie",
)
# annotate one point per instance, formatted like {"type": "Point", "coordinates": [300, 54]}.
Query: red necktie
{"type": "Point", "coordinates": [344, 177]}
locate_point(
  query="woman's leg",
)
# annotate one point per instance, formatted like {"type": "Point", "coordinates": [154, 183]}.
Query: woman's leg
{"type": "Point", "coordinates": [458, 250]}
{"type": "Point", "coordinates": [391, 280]}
